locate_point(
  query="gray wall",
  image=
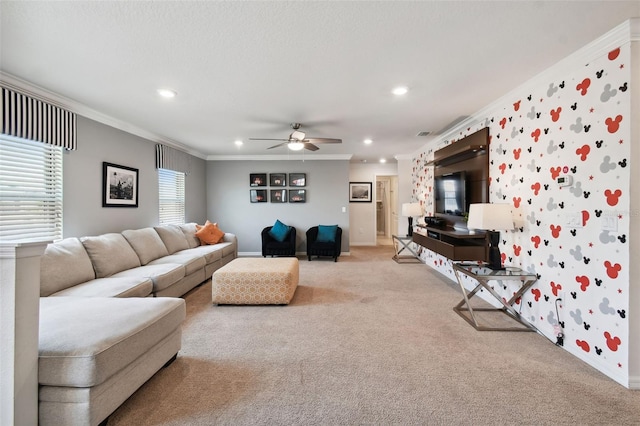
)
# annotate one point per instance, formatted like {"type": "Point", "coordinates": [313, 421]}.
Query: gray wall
{"type": "Point", "coordinates": [228, 200]}
{"type": "Point", "coordinates": [82, 191]}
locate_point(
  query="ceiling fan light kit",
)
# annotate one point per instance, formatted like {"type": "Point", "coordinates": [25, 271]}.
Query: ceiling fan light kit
{"type": "Point", "coordinates": [297, 141]}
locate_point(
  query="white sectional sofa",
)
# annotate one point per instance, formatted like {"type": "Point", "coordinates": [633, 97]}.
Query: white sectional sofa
{"type": "Point", "coordinates": [111, 316]}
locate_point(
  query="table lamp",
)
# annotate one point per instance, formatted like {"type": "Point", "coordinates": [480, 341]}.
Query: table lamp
{"type": "Point", "coordinates": [492, 218]}
{"type": "Point", "coordinates": [410, 210]}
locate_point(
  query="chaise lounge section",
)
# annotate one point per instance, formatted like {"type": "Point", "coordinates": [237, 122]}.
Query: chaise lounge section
{"type": "Point", "coordinates": [111, 316]}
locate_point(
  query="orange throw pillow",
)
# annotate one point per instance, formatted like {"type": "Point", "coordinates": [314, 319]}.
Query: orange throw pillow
{"type": "Point", "coordinates": [209, 233]}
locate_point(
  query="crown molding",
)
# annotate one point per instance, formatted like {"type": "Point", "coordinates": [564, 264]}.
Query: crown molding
{"type": "Point", "coordinates": [297, 157]}
{"type": "Point", "coordinates": [14, 83]}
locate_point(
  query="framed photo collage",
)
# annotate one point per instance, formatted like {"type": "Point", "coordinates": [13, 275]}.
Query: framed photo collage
{"type": "Point", "coordinates": [275, 189]}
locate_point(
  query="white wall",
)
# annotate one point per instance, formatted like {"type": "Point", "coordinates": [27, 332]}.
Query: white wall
{"type": "Point", "coordinates": [362, 216]}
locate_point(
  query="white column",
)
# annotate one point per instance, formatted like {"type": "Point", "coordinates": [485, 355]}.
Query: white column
{"type": "Point", "coordinates": [19, 316]}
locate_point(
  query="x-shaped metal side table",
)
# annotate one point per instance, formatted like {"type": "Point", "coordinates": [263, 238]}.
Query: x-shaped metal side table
{"type": "Point", "coordinates": [401, 243]}
{"type": "Point", "coordinates": [483, 275]}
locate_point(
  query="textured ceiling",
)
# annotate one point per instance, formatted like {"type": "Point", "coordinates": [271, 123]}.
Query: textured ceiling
{"type": "Point", "coordinates": [248, 69]}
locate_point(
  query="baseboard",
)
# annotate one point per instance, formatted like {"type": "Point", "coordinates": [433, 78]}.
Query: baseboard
{"type": "Point", "coordinates": [634, 382]}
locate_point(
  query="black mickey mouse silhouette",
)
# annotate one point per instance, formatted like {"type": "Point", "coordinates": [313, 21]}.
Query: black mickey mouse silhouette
{"type": "Point", "coordinates": [561, 145]}
{"type": "Point", "coordinates": [574, 106]}
{"type": "Point", "coordinates": [598, 282]}
{"type": "Point", "coordinates": [586, 260]}
{"type": "Point", "coordinates": [587, 128]}
{"type": "Point", "coordinates": [573, 232]}
{"type": "Point", "coordinates": [622, 313]}
{"type": "Point", "coordinates": [586, 326]}
{"type": "Point", "coordinates": [598, 350]}
{"type": "Point", "coordinates": [561, 265]}
{"type": "Point", "coordinates": [574, 169]}
{"type": "Point", "coordinates": [599, 73]}
{"type": "Point", "coordinates": [623, 88]}
{"type": "Point", "coordinates": [599, 144]}
{"type": "Point", "coordinates": [561, 204]}
{"type": "Point", "coordinates": [598, 213]}
{"type": "Point", "coordinates": [622, 238]}
{"type": "Point", "coordinates": [623, 163]}
{"type": "Point", "coordinates": [586, 194]}
{"type": "Point", "coordinates": [562, 84]}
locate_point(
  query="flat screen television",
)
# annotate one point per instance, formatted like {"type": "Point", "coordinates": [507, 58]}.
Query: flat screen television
{"type": "Point", "coordinates": [451, 194]}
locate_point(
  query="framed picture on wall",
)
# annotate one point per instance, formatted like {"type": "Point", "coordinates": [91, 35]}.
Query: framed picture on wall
{"type": "Point", "coordinates": [278, 179]}
{"type": "Point", "coordinates": [297, 179]}
{"type": "Point", "coordinates": [258, 195]}
{"type": "Point", "coordinates": [297, 195]}
{"type": "Point", "coordinates": [360, 192]}
{"type": "Point", "coordinates": [258, 179]}
{"type": "Point", "coordinates": [278, 195]}
{"type": "Point", "coordinates": [119, 186]}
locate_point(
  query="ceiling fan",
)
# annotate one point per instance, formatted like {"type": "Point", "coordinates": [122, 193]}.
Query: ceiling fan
{"type": "Point", "coordinates": [297, 140]}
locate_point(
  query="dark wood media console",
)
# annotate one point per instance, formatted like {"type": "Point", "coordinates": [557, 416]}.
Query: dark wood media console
{"type": "Point", "coordinates": [453, 244]}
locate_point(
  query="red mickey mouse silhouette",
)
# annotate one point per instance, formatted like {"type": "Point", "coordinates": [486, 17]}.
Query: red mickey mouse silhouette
{"type": "Point", "coordinates": [536, 188]}
{"type": "Point", "coordinates": [503, 257]}
{"type": "Point", "coordinates": [535, 240]}
{"type": "Point", "coordinates": [612, 269]}
{"type": "Point", "coordinates": [535, 135]}
{"type": "Point", "coordinates": [516, 202]}
{"type": "Point", "coordinates": [516, 153]}
{"type": "Point", "coordinates": [555, 230]}
{"type": "Point", "coordinates": [555, 288]}
{"type": "Point", "coordinates": [613, 54]}
{"type": "Point", "coordinates": [613, 197]}
{"type": "Point", "coordinates": [502, 167]}
{"type": "Point", "coordinates": [516, 106]}
{"type": "Point", "coordinates": [516, 250]}
{"type": "Point", "coordinates": [555, 172]}
{"type": "Point", "coordinates": [536, 294]}
{"type": "Point", "coordinates": [613, 124]}
{"type": "Point", "coordinates": [583, 281]}
{"type": "Point", "coordinates": [503, 122]}
{"type": "Point", "coordinates": [584, 86]}
{"type": "Point", "coordinates": [583, 345]}
{"type": "Point", "coordinates": [583, 151]}
{"type": "Point", "coordinates": [555, 114]}
{"type": "Point", "coordinates": [612, 341]}
{"type": "Point", "coordinates": [585, 217]}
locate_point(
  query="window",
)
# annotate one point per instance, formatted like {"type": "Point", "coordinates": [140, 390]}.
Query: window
{"type": "Point", "coordinates": [171, 196]}
{"type": "Point", "coordinates": [30, 190]}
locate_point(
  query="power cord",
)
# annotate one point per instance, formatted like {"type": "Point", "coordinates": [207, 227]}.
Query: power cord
{"type": "Point", "coordinates": [558, 327]}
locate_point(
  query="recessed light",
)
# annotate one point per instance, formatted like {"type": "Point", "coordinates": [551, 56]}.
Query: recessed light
{"type": "Point", "coordinates": [368, 141]}
{"type": "Point", "coordinates": [238, 142]}
{"type": "Point", "coordinates": [167, 93]}
{"type": "Point", "coordinates": [401, 90]}
{"type": "Point", "coordinates": [383, 160]}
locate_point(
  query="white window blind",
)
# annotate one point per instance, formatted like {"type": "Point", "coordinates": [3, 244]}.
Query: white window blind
{"type": "Point", "coordinates": [30, 190]}
{"type": "Point", "coordinates": [171, 196]}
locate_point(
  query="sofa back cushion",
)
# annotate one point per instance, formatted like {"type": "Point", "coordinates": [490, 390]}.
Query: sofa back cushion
{"type": "Point", "coordinates": [64, 264]}
{"type": "Point", "coordinates": [189, 230]}
{"type": "Point", "coordinates": [146, 243]}
{"type": "Point", "coordinates": [110, 254]}
{"type": "Point", "coordinates": [172, 237]}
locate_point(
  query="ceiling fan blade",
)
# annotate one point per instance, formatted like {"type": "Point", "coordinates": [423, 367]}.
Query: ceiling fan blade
{"type": "Point", "coordinates": [264, 139]}
{"type": "Point", "coordinates": [310, 146]}
{"type": "Point", "coordinates": [323, 140]}
{"type": "Point", "coordinates": [280, 144]}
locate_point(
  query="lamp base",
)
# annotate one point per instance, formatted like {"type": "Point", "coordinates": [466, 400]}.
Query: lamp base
{"type": "Point", "coordinates": [495, 258]}
{"type": "Point", "coordinates": [410, 230]}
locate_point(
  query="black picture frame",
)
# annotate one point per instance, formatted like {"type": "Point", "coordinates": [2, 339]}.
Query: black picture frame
{"type": "Point", "coordinates": [278, 196]}
{"type": "Point", "coordinates": [360, 192]}
{"type": "Point", "coordinates": [297, 195]}
{"type": "Point", "coordinates": [258, 195]}
{"type": "Point", "coordinates": [297, 179]}
{"type": "Point", "coordinates": [278, 179]}
{"type": "Point", "coordinates": [258, 179]}
{"type": "Point", "coordinates": [119, 185]}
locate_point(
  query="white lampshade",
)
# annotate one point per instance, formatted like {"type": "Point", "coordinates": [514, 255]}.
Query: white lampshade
{"type": "Point", "coordinates": [295, 146]}
{"type": "Point", "coordinates": [490, 217]}
{"type": "Point", "coordinates": [411, 209]}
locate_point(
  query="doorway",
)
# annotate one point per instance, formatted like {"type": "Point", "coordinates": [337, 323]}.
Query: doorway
{"type": "Point", "coordinates": [386, 209]}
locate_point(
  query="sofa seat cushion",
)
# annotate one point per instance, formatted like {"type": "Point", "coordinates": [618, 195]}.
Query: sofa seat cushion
{"type": "Point", "coordinates": [162, 275]}
{"type": "Point", "coordinates": [64, 264]}
{"type": "Point", "coordinates": [110, 287]}
{"type": "Point", "coordinates": [146, 243]}
{"type": "Point", "coordinates": [172, 237]}
{"type": "Point", "coordinates": [110, 254]}
{"type": "Point", "coordinates": [210, 253]}
{"type": "Point", "coordinates": [191, 261]}
{"type": "Point", "coordinates": [85, 341]}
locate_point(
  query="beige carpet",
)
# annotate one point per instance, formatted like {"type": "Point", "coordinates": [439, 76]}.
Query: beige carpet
{"type": "Point", "coordinates": [366, 341]}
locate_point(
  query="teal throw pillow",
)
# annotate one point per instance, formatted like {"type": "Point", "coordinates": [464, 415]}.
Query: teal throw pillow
{"type": "Point", "coordinates": [327, 234]}
{"type": "Point", "coordinates": [279, 231]}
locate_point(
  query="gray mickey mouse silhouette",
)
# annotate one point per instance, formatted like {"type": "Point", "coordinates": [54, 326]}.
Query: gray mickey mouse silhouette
{"type": "Point", "coordinates": [576, 253]}
{"type": "Point", "coordinates": [607, 93]}
{"type": "Point", "coordinates": [551, 148]}
{"type": "Point", "coordinates": [551, 90]}
{"type": "Point", "coordinates": [605, 308]}
{"type": "Point", "coordinates": [551, 262]}
{"type": "Point", "coordinates": [577, 316]}
{"type": "Point", "coordinates": [576, 189]}
{"type": "Point", "coordinates": [577, 127]}
{"type": "Point", "coordinates": [605, 238]}
{"type": "Point", "coordinates": [606, 166]}
{"type": "Point", "coordinates": [532, 114]}
{"type": "Point", "coordinates": [551, 205]}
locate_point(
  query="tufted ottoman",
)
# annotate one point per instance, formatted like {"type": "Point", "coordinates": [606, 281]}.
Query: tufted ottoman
{"type": "Point", "coordinates": [256, 281]}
